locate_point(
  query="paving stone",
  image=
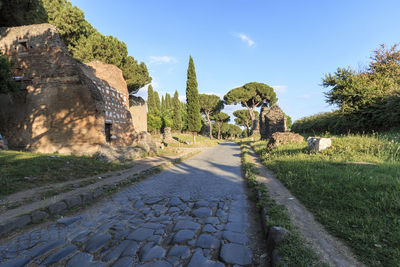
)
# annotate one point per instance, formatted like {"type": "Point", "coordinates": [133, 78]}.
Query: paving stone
{"type": "Point", "coordinates": [157, 239]}
{"type": "Point", "coordinates": [73, 201]}
{"type": "Point", "coordinates": [236, 237]}
{"type": "Point", "coordinates": [96, 242]}
{"type": "Point", "coordinates": [174, 202]}
{"type": "Point", "coordinates": [57, 208]}
{"type": "Point", "coordinates": [68, 221]}
{"type": "Point", "coordinates": [159, 232]}
{"type": "Point", "coordinates": [60, 254]}
{"type": "Point", "coordinates": [198, 259]}
{"type": "Point", "coordinates": [163, 218]}
{"type": "Point", "coordinates": [236, 227]}
{"type": "Point", "coordinates": [155, 252]}
{"type": "Point", "coordinates": [152, 225]}
{"type": "Point", "coordinates": [39, 215]}
{"type": "Point", "coordinates": [236, 254]}
{"type": "Point", "coordinates": [136, 221]}
{"type": "Point", "coordinates": [44, 248]}
{"type": "Point", "coordinates": [156, 264]}
{"type": "Point", "coordinates": [124, 262]}
{"type": "Point", "coordinates": [19, 262]}
{"type": "Point", "coordinates": [173, 210]}
{"type": "Point", "coordinates": [141, 234]}
{"type": "Point", "coordinates": [201, 203]}
{"type": "Point", "coordinates": [152, 200]}
{"type": "Point", "coordinates": [207, 241]}
{"type": "Point", "coordinates": [182, 252]}
{"type": "Point", "coordinates": [202, 212]}
{"type": "Point", "coordinates": [131, 249]}
{"type": "Point", "coordinates": [83, 260]}
{"type": "Point", "coordinates": [185, 197]}
{"type": "Point", "coordinates": [15, 223]}
{"type": "Point", "coordinates": [174, 261]}
{"type": "Point", "coordinates": [190, 225]}
{"type": "Point", "coordinates": [138, 204]}
{"type": "Point", "coordinates": [212, 220]}
{"type": "Point", "coordinates": [208, 228]}
{"type": "Point", "coordinates": [115, 252]}
{"type": "Point", "coordinates": [183, 235]}
{"type": "Point", "coordinates": [81, 237]}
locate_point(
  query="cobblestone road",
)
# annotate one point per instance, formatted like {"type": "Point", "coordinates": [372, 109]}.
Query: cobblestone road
{"type": "Point", "coordinates": [194, 214]}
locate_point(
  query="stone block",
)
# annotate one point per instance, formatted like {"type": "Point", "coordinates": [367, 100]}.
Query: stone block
{"type": "Point", "coordinates": [57, 208]}
{"type": "Point", "coordinates": [39, 215]}
{"type": "Point", "coordinates": [87, 198]}
{"type": "Point", "coordinates": [14, 223]}
{"type": "Point", "coordinates": [318, 144]}
{"type": "Point", "coordinates": [281, 138]}
{"type": "Point", "coordinates": [275, 235]}
{"type": "Point", "coordinates": [73, 201]}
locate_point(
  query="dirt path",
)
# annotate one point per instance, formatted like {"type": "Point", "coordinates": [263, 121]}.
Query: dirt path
{"type": "Point", "coordinates": [331, 249]}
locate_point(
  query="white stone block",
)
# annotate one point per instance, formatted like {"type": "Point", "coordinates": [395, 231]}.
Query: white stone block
{"type": "Point", "coordinates": [318, 144]}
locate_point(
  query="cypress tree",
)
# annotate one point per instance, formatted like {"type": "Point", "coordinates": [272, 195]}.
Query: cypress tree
{"type": "Point", "coordinates": [157, 101]}
{"type": "Point", "coordinates": [162, 104]}
{"type": "Point", "coordinates": [177, 119]}
{"type": "Point", "coordinates": [192, 100]}
{"type": "Point", "coordinates": [151, 103]}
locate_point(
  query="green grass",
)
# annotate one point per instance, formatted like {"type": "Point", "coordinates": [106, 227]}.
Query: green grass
{"type": "Point", "coordinates": [46, 169]}
{"type": "Point", "coordinates": [293, 249]}
{"type": "Point", "coordinates": [201, 141]}
{"type": "Point", "coordinates": [359, 203]}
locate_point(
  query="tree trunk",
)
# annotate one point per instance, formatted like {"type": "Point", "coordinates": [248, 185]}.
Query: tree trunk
{"type": "Point", "coordinates": [254, 122]}
{"type": "Point", "coordinates": [209, 125]}
{"type": "Point", "coordinates": [219, 133]}
{"type": "Point", "coordinates": [194, 137]}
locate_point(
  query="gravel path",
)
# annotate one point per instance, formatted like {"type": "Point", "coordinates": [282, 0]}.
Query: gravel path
{"type": "Point", "coordinates": [194, 214]}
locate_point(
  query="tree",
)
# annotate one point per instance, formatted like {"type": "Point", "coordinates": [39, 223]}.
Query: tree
{"type": "Point", "coordinates": [151, 102]}
{"type": "Point", "coordinates": [177, 119]}
{"type": "Point", "coordinates": [288, 121]}
{"type": "Point", "coordinates": [154, 122]}
{"type": "Point", "coordinates": [243, 118]}
{"type": "Point", "coordinates": [192, 100]}
{"type": "Point", "coordinates": [7, 84]}
{"type": "Point", "coordinates": [210, 104]}
{"type": "Point", "coordinates": [230, 130]}
{"type": "Point", "coordinates": [157, 101]}
{"type": "Point", "coordinates": [252, 95]}
{"type": "Point", "coordinates": [220, 118]}
{"type": "Point", "coordinates": [21, 12]}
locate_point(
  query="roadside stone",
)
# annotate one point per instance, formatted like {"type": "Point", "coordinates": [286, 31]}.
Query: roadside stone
{"type": "Point", "coordinates": [15, 223]}
{"type": "Point", "coordinates": [275, 258]}
{"type": "Point", "coordinates": [202, 212]}
{"type": "Point", "coordinates": [275, 236]}
{"type": "Point", "coordinates": [236, 254]}
{"type": "Point", "coordinates": [207, 241]}
{"type": "Point", "coordinates": [38, 216]}
{"type": "Point", "coordinates": [141, 234]}
{"type": "Point", "coordinates": [181, 252]}
{"type": "Point", "coordinates": [183, 235]}
{"type": "Point", "coordinates": [87, 198]}
{"type": "Point", "coordinates": [97, 192]}
{"type": "Point", "coordinates": [236, 237]}
{"type": "Point", "coordinates": [114, 253]}
{"type": "Point", "coordinates": [186, 225]}
{"type": "Point", "coordinates": [68, 221]}
{"type": "Point", "coordinates": [19, 262]}
{"type": "Point", "coordinates": [73, 201]}
{"type": "Point", "coordinates": [198, 259]}
{"type": "Point", "coordinates": [208, 228]}
{"type": "Point", "coordinates": [57, 208]}
{"type": "Point", "coordinates": [318, 144]}
{"type": "Point", "coordinates": [44, 248]}
{"type": "Point", "coordinates": [155, 252]}
{"type": "Point", "coordinates": [61, 254]}
{"type": "Point", "coordinates": [96, 242]}
{"type": "Point", "coordinates": [124, 262]}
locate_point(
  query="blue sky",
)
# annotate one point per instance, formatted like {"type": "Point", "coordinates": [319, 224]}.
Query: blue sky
{"type": "Point", "coordinates": [286, 44]}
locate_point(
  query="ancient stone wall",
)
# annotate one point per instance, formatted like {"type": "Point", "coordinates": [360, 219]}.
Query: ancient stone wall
{"type": "Point", "coordinates": [138, 110]}
{"type": "Point", "coordinates": [272, 120]}
{"type": "Point", "coordinates": [64, 106]}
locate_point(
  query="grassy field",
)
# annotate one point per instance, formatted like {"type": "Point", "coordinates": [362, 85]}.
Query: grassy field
{"type": "Point", "coordinates": [201, 140]}
{"type": "Point", "coordinates": [24, 170]}
{"type": "Point", "coordinates": [353, 189]}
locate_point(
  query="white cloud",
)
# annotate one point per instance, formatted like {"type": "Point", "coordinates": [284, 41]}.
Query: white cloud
{"type": "Point", "coordinates": [162, 60]}
{"type": "Point", "coordinates": [245, 39]}
{"type": "Point", "coordinates": [182, 98]}
{"type": "Point", "coordinates": [280, 89]}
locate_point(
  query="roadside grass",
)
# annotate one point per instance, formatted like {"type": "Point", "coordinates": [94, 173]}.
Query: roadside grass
{"type": "Point", "coordinates": [353, 189]}
{"type": "Point", "coordinates": [293, 249]}
{"type": "Point", "coordinates": [25, 170]}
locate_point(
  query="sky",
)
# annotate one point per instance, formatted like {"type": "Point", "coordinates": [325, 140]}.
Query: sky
{"type": "Point", "coordinates": [288, 45]}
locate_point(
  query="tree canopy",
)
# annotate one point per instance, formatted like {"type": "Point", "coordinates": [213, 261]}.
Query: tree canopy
{"type": "Point", "coordinates": [7, 84]}
{"type": "Point", "coordinates": [243, 118]}
{"type": "Point", "coordinates": [250, 96]}
{"type": "Point", "coordinates": [177, 111]}
{"type": "Point", "coordinates": [209, 105]}
{"type": "Point", "coordinates": [220, 118]}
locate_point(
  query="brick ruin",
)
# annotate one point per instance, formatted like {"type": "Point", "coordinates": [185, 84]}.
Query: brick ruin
{"type": "Point", "coordinates": [64, 106]}
{"type": "Point", "coordinates": [272, 120]}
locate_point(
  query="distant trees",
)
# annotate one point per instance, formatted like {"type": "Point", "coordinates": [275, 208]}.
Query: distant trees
{"type": "Point", "coordinates": [250, 96]}
{"type": "Point", "coordinates": [7, 84]}
{"type": "Point", "coordinates": [192, 101]}
{"type": "Point", "coordinates": [243, 118]}
{"type": "Point", "coordinates": [230, 131]}
{"type": "Point", "coordinates": [209, 105]}
{"type": "Point", "coordinates": [220, 118]}
{"type": "Point", "coordinates": [177, 111]}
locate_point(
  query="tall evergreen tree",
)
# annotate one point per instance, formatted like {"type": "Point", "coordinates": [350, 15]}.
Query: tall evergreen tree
{"type": "Point", "coordinates": [192, 100]}
{"type": "Point", "coordinates": [163, 108]}
{"type": "Point", "coordinates": [168, 101]}
{"type": "Point", "coordinates": [157, 101]}
{"type": "Point", "coordinates": [177, 119]}
{"type": "Point", "coordinates": [151, 103]}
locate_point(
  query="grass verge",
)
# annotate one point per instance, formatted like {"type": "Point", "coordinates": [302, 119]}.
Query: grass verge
{"type": "Point", "coordinates": [25, 170]}
{"type": "Point", "coordinates": [292, 249]}
{"type": "Point", "coordinates": [355, 201]}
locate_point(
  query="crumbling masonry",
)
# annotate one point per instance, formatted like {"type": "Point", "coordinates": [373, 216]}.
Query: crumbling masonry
{"type": "Point", "coordinates": [272, 120]}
